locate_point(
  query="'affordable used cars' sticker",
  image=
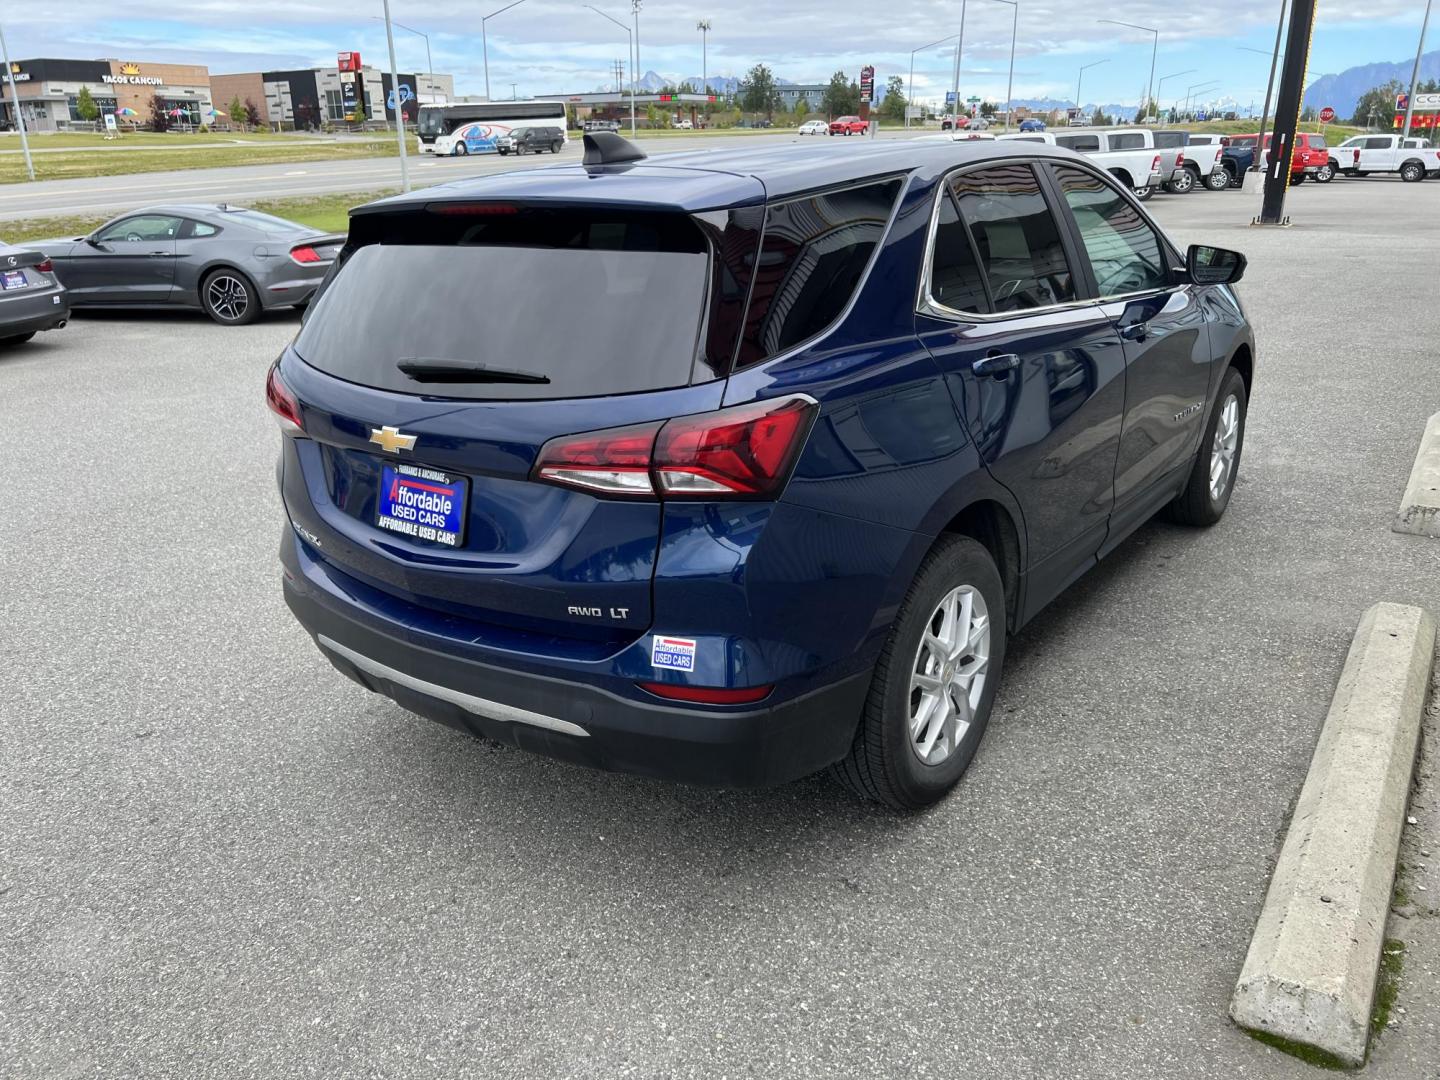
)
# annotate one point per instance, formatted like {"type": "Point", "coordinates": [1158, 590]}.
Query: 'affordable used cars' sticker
{"type": "Point", "coordinates": [672, 652]}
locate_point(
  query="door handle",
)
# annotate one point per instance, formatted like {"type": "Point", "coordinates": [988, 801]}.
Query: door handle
{"type": "Point", "coordinates": [1136, 331]}
{"type": "Point", "coordinates": [158, 254]}
{"type": "Point", "coordinates": [996, 364]}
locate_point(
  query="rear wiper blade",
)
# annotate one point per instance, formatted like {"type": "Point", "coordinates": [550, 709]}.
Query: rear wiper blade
{"type": "Point", "coordinates": [440, 369]}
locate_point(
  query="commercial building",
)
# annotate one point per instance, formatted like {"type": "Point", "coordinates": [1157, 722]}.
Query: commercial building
{"type": "Point", "coordinates": [49, 90]}
{"type": "Point", "coordinates": [312, 97]}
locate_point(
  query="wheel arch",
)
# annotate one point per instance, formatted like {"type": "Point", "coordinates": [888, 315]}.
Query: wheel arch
{"type": "Point", "coordinates": [1243, 361]}
{"type": "Point", "coordinates": [992, 524]}
{"type": "Point", "coordinates": [198, 294]}
{"type": "Point", "coordinates": [1415, 161]}
{"type": "Point", "coordinates": [1123, 175]}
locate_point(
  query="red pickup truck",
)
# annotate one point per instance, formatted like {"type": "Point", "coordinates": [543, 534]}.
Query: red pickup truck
{"type": "Point", "coordinates": [1310, 158]}
{"type": "Point", "coordinates": [848, 125]}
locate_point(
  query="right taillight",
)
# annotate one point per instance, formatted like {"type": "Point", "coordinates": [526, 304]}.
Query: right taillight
{"type": "Point", "coordinates": [45, 266]}
{"type": "Point", "coordinates": [283, 402]}
{"type": "Point", "coordinates": [743, 452]}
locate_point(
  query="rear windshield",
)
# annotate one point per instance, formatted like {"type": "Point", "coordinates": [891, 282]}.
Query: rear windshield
{"type": "Point", "coordinates": [266, 223]}
{"type": "Point", "coordinates": [1171, 138]}
{"type": "Point", "coordinates": [590, 304]}
{"type": "Point", "coordinates": [1243, 140]}
{"type": "Point", "coordinates": [1317, 142]}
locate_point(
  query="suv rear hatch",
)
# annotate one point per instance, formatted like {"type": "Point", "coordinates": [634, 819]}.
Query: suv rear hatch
{"type": "Point", "coordinates": [454, 342]}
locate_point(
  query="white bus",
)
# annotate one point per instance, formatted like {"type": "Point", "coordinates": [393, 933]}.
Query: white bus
{"type": "Point", "coordinates": [461, 128]}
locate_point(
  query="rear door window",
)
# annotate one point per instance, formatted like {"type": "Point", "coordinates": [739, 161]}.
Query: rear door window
{"type": "Point", "coordinates": [1016, 237]}
{"type": "Point", "coordinates": [1380, 143]}
{"type": "Point", "coordinates": [1125, 253]}
{"type": "Point", "coordinates": [544, 304]}
{"type": "Point", "coordinates": [956, 280]}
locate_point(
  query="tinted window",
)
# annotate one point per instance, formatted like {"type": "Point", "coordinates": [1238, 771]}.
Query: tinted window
{"type": "Point", "coordinates": [596, 304]}
{"type": "Point", "coordinates": [1171, 138]}
{"type": "Point", "coordinates": [143, 227]}
{"type": "Point", "coordinates": [1129, 141]}
{"type": "Point", "coordinates": [266, 223]}
{"type": "Point", "coordinates": [196, 230]}
{"type": "Point", "coordinates": [1381, 143]}
{"type": "Point", "coordinates": [1125, 254]}
{"type": "Point", "coordinates": [1081, 144]}
{"type": "Point", "coordinates": [1016, 237]}
{"type": "Point", "coordinates": [812, 256]}
{"type": "Point", "coordinates": [955, 278]}
{"type": "Point", "coordinates": [1244, 140]}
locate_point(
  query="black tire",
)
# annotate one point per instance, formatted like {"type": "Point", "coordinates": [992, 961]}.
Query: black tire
{"type": "Point", "coordinates": [1324, 174]}
{"type": "Point", "coordinates": [883, 764]}
{"type": "Point", "coordinates": [555, 146]}
{"type": "Point", "coordinates": [1412, 172]}
{"type": "Point", "coordinates": [1182, 186]}
{"type": "Point", "coordinates": [226, 290]}
{"type": "Point", "coordinates": [461, 150]}
{"type": "Point", "coordinates": [1196, 505]}
{"type": "Point", "coordinates": [1296, 179]}
{"type": "Point", "coordinates": [17, 339]}
{"type": "Point", "coordinates": [1143, 194]}
{"type": "Point", "coordinates": [1218, 181]}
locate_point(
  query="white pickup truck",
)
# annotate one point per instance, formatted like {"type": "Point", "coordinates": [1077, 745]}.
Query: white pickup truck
{"type": "Point", "coordinates": [1138, 168]}
{"type": "Point", "coordinates": [1360, 155]}
{"type": "Point", "coordinates": [1199, 162]}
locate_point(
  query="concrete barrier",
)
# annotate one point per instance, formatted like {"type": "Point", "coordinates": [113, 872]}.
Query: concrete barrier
{"type": "Point", "coordinates": [1420, 507]}
{"type": "Point", "coordinates": [1309, 976]}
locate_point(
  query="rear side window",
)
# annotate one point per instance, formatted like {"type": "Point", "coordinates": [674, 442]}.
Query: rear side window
{"type": "Point", "coordinates": [1171, 139]}
{"type": "Point", "coordinates": [1244, 140]}
{"type": "Point", "coordinates": [812, 256]}
{"type": "Point", "coordinates": [1016, 237]}
{"type": "Point", "coordinates": [574, 304]}
{"type": "Point", "coordinates": [1380, 143]}
{"type": "Point", "coordinates": [1129, 141]}
{"type": "Point", "coordinates": [956, 280]}
{"type": "Point", "coordinates": [1124, 252]}
{"type": "Point", "coordinates": [1081, 144]}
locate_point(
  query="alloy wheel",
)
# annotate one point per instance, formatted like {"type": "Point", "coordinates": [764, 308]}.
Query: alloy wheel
{"type": "Point", "coordinates": [947, 679]}
{"type": "Point", "coordinates": [1223, 447]}
{"type": "Point", "coordinates": [227, 297]}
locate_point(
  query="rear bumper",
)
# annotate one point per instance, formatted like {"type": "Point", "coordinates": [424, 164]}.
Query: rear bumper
{"type": "Point", "coordinates": [732, 746]}
{"type": "Point", "coordinates": [30, 312]}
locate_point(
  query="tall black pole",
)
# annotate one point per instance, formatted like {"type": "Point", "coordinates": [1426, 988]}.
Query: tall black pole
{"type": "Point", "coordinates": [1287, 113]}
{"type": "Point", "coordinates": [1269, 91]}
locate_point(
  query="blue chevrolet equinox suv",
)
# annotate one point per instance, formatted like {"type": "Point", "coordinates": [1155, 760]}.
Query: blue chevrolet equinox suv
{"type": "Point", "coordinates": [730, 466]}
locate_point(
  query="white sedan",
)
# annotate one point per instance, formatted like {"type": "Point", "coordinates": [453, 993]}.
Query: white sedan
{"type": "Point", "coordinates": [814, 127]}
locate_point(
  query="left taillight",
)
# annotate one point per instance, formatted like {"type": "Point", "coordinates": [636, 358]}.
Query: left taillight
{"type": "Point", "coordinates": [283, 403]}
{"type": "Point", "coordinates": [743, 452]}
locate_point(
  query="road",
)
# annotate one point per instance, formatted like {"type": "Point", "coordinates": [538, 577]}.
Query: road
{"type": "Point", "coordinates": [112, 194]}
{"type": "Point", "coordinates": [219, 858]}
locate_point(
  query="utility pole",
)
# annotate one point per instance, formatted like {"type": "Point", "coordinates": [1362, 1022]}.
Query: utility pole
{"type": "Point", "coordinates": [399, 110]}
{"type": "Point", "coordinates": [15, 104]}
{"type": "Point", "coordinates": [1287, 113]}
{"type": "Point", "coordinates": [960, 44]}
{"type": "Point", "coordinates": [1414, 74]}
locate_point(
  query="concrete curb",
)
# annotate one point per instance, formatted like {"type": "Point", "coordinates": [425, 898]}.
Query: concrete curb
{"type": "Point", "coordinates": [1420, 507]}
{"type": "Point", "coordinates": [1309, 976]}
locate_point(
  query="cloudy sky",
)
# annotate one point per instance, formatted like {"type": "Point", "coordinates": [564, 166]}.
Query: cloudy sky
{"type": "Point", "coordinates": [548, 46]}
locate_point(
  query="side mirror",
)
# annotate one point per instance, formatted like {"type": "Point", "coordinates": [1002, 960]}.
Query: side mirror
{"type": "Point", "coordinates": [1214, 266]}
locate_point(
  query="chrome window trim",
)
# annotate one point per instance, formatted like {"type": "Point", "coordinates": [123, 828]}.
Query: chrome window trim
{"type": "Point", "coordinates": [926, 304]}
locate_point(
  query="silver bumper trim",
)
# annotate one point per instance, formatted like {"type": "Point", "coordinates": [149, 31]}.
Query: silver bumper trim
{"type": "Point", "coordinates": [492, 710]}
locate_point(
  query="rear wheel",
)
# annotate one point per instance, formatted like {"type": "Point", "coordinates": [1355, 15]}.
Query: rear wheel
{"type": "Point", "coordinates": [1212, 479]}
{"type": "Point", "coordinates": [1412, 171]}
{"type": "Point", "coordinates": [555, 146]}
{"type": "Point", "coordinates": [1182, 184]}
{"type": "Point", "coordinates": [17, 339]}
{"type": "Point", "coordinates": [461, 150]}
{"type": "Point", "coordinates": [229, 298]}
{"type": "Point", "coordinates": [935, 683]}
{"type": "Point", "coordinates": [1143, 193]}
{"type": "Point", "coordinates": [1325, 174]}
{"type": "Point", "coordinates": [1218, 180]}
{"type": "Point", "coordinates": [1296, 179]}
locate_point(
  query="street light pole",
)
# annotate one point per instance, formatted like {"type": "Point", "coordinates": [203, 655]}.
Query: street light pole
{"type": "Point", "coordinates": [910, 92]}
{"type": "Point", "coordinates": [399, 105]}
{"type": "Point", "coordinates": [429, 64]}
{"type": "Point", "coordinates": [1080, 105]}
{"type": "Point", "coordinates": [1198, 86]}
{"type": "Point", "coordinates": [1259, 162]}
{"type": "Point", "coordinates": [485, 43]}
{"type": "Point", "coordinates": [704, 27]}
{"type": "Point", "coordinates": [1010, 80]}
{"type": "Point", "coordinates": [15, 104]}
{"type": "Point", "coordinates": [959, 45]}
{"type": "Point", "coordinates": [635, 14]}
{"type": "Point", "coordinates": [1414, 74]}
{"type": "Point", "coordinates": [1161, 83]}
{"type": "Point", "coordinates": [1154, 52]}
{"type": "Point", "coordinates": [622, 26]}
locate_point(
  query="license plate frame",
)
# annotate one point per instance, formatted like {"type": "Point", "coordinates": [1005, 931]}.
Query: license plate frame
{"type": "Point", "coordinates": [424, 505]}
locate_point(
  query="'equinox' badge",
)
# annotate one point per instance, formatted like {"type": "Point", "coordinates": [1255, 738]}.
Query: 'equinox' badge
{"type": "Point", "coordinates": [392, 439]}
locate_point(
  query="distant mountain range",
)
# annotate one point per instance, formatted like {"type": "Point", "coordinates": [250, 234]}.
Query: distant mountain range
{"type": "Point", "coordinates": [1343, 92]}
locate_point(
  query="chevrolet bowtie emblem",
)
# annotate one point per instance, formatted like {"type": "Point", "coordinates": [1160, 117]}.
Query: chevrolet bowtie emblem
{"type": "Point", "coordinates": [391, 439]}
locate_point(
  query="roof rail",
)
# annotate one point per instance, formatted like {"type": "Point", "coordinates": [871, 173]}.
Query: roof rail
{"type": "Point", "coordinates": [607, 148]}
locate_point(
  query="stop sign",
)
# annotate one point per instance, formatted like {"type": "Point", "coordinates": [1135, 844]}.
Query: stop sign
{"type": "Point", "coordinates": [1327, 114]}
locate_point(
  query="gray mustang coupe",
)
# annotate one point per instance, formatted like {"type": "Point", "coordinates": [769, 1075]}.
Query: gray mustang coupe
{"type": "Point", "coordinates": [230, 262]}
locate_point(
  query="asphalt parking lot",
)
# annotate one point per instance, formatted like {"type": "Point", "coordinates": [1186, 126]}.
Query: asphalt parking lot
{"type": "Point", "coordinates": [218, 857]}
